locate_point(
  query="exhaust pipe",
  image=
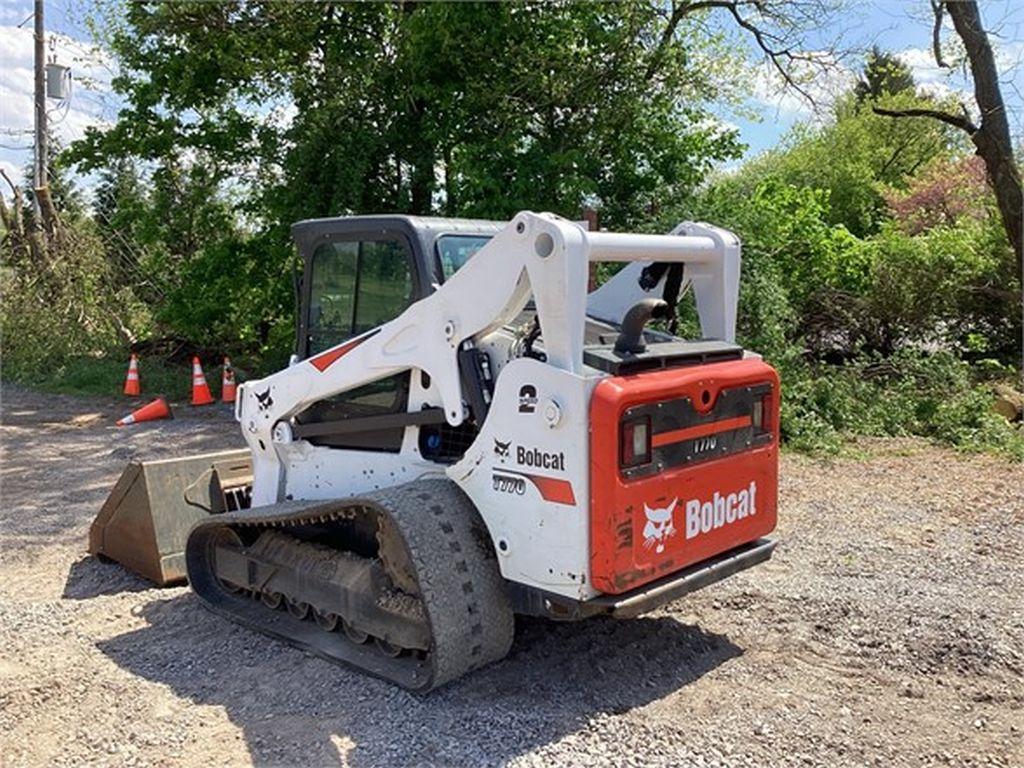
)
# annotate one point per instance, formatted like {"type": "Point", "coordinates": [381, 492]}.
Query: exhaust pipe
{"type": "Point", "coordinates": [631, 337]}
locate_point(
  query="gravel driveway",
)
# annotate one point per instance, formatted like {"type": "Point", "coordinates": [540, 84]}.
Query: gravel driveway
{"type": "Point", "coordinates": [887, 630]}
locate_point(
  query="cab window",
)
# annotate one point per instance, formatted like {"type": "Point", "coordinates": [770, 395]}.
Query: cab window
{"type": "Point", "coordinates": [456, 250]}
{"type": "Point", "coordinates": [356, 285]}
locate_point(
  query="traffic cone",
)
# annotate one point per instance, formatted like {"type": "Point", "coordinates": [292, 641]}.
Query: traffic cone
{"type": "Point", "coordinates": [200, 389]}
{"type": "Point", "coordinates": [131, 382]}
{"type": "Point", "coordinates": [228, 390]}
{"type": "Point", "coordinates": [158, 409]}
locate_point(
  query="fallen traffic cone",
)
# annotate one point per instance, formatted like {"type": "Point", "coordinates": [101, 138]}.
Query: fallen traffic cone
{"type": "Point", "coordinates": [131, 382]}
{"type": "Point", "coordinates": [158, 409]}
{"type": "Point", "coordinates": [200, 389]}
{"type": "Point", "coordinates": [228, 390]}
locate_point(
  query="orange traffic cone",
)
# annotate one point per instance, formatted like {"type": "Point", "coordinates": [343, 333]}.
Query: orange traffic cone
{"type": "Point", "coordinates": [158, 409]}
{"type": "Point", "coordinates": [131, 382]}
{"type": "Point", "coordinates": [228, 390]}
{"type": "Point", "coordinates": [200, 389]}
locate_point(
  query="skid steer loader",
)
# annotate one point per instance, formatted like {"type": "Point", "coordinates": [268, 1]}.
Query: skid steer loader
{"type": "Point", "coordinates": [465, 433]}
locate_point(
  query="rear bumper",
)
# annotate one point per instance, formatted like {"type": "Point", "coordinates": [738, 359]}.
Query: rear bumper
{"type": "Point", "coordinates": [649, 596]}
{"type": "Point", "coordinates": [674, 586]}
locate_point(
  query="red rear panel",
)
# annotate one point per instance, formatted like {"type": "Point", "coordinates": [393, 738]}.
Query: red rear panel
{"type": "Point", "coordinates": [711, 483]}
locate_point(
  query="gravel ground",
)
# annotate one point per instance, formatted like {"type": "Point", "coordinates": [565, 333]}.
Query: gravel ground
{"type": "Point", "coordinates": [887, 630]}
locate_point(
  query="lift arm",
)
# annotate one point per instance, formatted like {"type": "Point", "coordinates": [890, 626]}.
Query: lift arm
{"type": "Point", "coordinates": [541, 255]}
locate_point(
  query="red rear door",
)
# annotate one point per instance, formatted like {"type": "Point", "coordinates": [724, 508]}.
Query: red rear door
{"type": "Point", "coordinates": [684, 466]}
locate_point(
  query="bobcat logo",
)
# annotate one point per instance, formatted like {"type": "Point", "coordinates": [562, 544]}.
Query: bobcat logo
{"type": "Point", "coordinates": [659, 527]}
{"type": "Point", "coordinates": [501, 449]}
{"type": "Point", "coordinates": [264, 399]}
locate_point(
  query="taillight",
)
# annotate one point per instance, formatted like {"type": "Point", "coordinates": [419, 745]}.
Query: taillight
{"type": "Point", "coordinates": [761, 414]}
{"type": "Point", "coordinates": [636, 442]}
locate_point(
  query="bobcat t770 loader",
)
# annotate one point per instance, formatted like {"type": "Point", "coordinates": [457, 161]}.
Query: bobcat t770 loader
{"type": "Point", "coordinates": [465, 433]}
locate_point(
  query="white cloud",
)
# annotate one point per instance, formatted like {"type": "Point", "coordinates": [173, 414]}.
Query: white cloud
{"type": "Point", "coordinates": [922, 65]}
{"type": "Point", "coordinates": [719, 125]}
{"type": "Point", "coordinates": [941, 83]}
{"type": "Point", "coordinates": [13, 173]}
{"type": "Point", "coordinates": [12, 13]}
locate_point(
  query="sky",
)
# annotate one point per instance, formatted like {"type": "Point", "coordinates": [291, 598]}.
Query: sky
{"type": "Point", "coordinates": [899, 26]}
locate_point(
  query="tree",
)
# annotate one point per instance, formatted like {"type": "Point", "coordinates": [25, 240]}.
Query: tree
{"type": "Point", "coordinates": [472, 108]}
{"type": "Point", "coordinates": [856, 158]}
{"type": "Point", "coordinates": [288, 111]}
{"type": "Point", "coordinates": [946, 192]}
{"type": "Point", "coordinates": [884, 74]}
{"type": "Point", "coordinates": [463, 109]}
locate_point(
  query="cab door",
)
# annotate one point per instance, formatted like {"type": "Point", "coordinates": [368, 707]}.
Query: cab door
{"type": "Point", "coordinates": [353, 282]}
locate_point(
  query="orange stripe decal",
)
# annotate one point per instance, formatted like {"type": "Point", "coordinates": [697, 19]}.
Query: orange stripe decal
{"type": "Point", "coordinates": [700, 430]}
{"type": "Point", "coordinates": [550, 488]}
{"type": "Point", "coordinates": [324, 360]}
{"type": "Point", "coordinates": [554, 490]}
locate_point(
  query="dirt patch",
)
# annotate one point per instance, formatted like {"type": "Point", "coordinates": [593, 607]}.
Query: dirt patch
{"type": "Point", "coordinates": [887, 630]}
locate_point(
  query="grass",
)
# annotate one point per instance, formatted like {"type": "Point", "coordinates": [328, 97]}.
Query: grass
{"type": "Point", "coordinates": [105, 376]}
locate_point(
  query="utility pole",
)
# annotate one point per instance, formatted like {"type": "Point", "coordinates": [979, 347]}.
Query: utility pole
{"type": "Point", "coordinates": [39, 175]}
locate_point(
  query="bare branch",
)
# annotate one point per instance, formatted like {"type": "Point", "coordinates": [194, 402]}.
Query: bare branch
{"type": "Point", "coordinates": [771, 45]}
{"type": "Point", "coordinates": [957, 121]}
{"type": "Point", "coordinates": [10, 183]}
{"type": "Point", "coordinates": [774, 55]}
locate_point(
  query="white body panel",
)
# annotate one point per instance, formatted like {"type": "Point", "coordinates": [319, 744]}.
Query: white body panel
{"type": "Point", "coordinates": [541, 543]}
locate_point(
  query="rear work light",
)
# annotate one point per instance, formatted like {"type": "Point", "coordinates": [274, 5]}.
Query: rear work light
{"type": "Point", "coordinates": [636, 442]}
{"type": "Point", "coordinates": [761, 414]}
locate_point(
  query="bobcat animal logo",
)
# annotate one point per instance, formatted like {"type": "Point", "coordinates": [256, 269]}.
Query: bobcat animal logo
{"type": "Point", "coordinates": [264, 398]}
{"type": "Point", "coordinates": [501, 449]}
{"type": "Point", "coordinates": [659, 528]}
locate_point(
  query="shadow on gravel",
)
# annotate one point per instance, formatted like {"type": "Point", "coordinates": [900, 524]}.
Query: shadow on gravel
{"type": "Point", "coordinates": [298, 709]}
{"type": "Point", "coordinates": [92, 577]}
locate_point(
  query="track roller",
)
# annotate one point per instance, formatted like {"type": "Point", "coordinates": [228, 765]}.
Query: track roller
{"type": "Point", "coordinates": [326, 620]}
{"type": "Point", "coordinates": [272, 600]}
{"type": "Point", "coordinates": [357, 636]}
{"type": "Point", "coordinates": [297, 608]}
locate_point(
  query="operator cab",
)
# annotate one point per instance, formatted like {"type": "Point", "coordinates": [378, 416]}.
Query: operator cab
{"type": "Point", "coordinates": [360, 272]}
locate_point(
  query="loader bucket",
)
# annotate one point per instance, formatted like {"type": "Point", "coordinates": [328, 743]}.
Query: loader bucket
{"type": "Point", "coordinates": [145, 520]}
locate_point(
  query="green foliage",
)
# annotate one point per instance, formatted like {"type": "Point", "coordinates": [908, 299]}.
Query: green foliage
{"type": "Point", "coordinates": [103, 376]}
{"type": "Point", "coordinates": [946, 191]}
{"type": "Point", "coordinates": [856, 159]}
{"type": "Point", "coordinates": [847, 320]}
{"type": "Point", "coordinates": [61, 296]}
{"type": "Point", "coordinates": [814, 284]}
{"type": "Point", "coordinates": [876, 277]}
{"type": "Point", "coordinates": [910, 393]}
{"type": "Point", "coordinates": [251, 116]}
{"type": "Point", "coordinates": [875, 271]}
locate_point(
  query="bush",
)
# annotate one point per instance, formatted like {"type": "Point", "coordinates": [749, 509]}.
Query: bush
{"type": "Point", "coordinates": [936, 396]}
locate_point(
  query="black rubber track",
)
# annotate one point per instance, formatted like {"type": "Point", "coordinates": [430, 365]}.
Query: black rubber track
{"type": "Point", "coordinates": [462, 591]}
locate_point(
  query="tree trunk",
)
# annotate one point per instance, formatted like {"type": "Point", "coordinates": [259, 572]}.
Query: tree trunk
{"type": "Point", "coordinates": [992, 138]}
